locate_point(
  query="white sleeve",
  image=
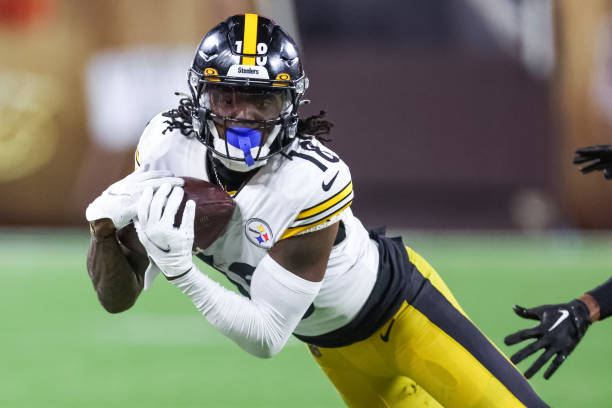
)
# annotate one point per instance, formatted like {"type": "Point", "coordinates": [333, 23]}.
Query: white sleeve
{"type": "Point", "coordinates": [262, 324]}
{"type": "Point", "coordinates": [153, 143]}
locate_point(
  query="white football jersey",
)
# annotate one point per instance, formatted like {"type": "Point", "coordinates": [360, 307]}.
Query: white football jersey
{"type": "Point", "coordinates": [308, 190]}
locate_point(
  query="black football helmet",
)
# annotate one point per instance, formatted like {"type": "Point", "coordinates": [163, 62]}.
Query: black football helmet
{"type": "Point", "coordinates": [246, 81]}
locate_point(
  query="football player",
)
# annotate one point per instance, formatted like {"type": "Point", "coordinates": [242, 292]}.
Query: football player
{"type": "Point", "coordinates": [562, 326]}
{"type": "Point", "coordinates": [377, 318]}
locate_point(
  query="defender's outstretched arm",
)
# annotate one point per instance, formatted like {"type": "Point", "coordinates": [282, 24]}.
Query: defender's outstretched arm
{"type": "Point", "coordinates": [561, 328]}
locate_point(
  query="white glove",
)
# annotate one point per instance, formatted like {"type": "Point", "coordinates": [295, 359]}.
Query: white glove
{"type": "Point", "coordinates": [168, 247]}
{"type": "Point", "coordinates": [119, 202]}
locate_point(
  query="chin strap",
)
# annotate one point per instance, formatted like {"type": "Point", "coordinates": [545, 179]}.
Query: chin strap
{"type": "Point", "coordinates": [244, 139]}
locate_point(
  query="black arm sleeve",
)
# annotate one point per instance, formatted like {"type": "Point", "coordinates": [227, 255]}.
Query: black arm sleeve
{"type": "Point", "coordinates": [603, 296]}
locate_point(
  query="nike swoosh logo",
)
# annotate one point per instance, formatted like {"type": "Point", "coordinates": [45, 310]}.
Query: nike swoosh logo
{"type": "Point", "coordinates": [564, 314]}
{"type": "Point", "coordinates": [166, 250]}
{"type": "Point", "coordinates": [327, 186]}
{"type": "Point", "coordinates": [385, 337]}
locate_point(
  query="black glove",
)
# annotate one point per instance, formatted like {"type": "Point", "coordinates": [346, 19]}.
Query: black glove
{"type": "Point", "coordinates": [561, 328]}
{"type": "Point", "coordinates": [597, 158]}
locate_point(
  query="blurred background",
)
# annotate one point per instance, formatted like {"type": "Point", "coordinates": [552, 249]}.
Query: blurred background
{"type": "Point", "coordinates": [468, 110]}
{"type": "Point", "coordinates": [458, 118]}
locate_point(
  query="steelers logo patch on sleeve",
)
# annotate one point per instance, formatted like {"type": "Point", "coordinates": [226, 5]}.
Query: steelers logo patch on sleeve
{"type": "Point", "coordinates": [259, 233]}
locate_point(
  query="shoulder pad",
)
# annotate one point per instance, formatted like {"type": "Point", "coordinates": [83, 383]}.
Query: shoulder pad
{"type": "Point", "coordinates": [328, 181]}
{"type": "Point", "coordinates": [154, 141]}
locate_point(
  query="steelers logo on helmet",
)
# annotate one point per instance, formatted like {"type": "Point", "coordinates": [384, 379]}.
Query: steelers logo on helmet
{"type": "Point", "coordinates": [282, 77]}
{"type": "Point", "coordinates": [259, 233]}
{"type": "Point", "coordinates": [210, 73]}
{"type": "Point", "coordinates": [246, 109]}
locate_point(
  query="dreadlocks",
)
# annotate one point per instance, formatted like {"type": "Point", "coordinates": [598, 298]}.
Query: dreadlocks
{"type": "Point", "coordinates": [315, 126]}
{"type": "Point", "coordinates": [181, 118]}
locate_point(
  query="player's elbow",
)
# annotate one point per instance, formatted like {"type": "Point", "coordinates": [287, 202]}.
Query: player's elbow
{"type": "Point", "coordinates": [114, 309]}
{"type": "Point", "coordinates": [115, 306]}
{"type": "Point", "coordinates": [265, 353]}
{"type": "Point", "coordinates": [265, 350]}
{"type": "Point", "coordinates": [262, 354]}
{"type": "Point", "coordinates": [117, 298]}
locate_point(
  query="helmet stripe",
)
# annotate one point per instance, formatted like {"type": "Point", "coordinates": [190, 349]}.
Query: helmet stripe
{"type": "Point", "coordinates": [249, 44]}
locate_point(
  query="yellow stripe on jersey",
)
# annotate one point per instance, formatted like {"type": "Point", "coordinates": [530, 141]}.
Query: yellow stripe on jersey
{"type": "Point", "coordinates": [289, 232]}
{"type": "Point", "coordinates": [326, 205]}
{"type": "Point", "coordinates": [249, 43]}
{"type": "Point", "coordinates": [136, 159]}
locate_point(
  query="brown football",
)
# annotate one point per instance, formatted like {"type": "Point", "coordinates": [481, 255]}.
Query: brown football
{"type": "Point", "coordinates": [214, 209]}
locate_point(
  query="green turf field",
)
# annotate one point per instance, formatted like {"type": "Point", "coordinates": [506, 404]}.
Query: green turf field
{"type": "Point", "coordinates": [59, 348]}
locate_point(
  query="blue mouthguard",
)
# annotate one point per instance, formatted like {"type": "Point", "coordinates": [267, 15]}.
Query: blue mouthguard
{"type": "Point", "coordinates": [244, 139]}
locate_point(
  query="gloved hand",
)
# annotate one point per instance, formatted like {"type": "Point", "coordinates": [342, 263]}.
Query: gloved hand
{"type": "Point", "coordinates": [168, 247]}
{"type": "Point", "coordinates": [598, 157]}
{"type": "Point", "coordinates": [119, 202]}
{"type": "Point", "coordinates": [561, 328]}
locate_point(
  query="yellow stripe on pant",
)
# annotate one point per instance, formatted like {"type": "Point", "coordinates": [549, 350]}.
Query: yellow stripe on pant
{"type": "Point", "coordinates": [419, 364]}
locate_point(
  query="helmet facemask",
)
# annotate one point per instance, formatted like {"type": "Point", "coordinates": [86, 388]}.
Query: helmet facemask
{"type": "Point", "coordinates": [244, 126]}
{"type": "Point", "coordinates": [246, 82]}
